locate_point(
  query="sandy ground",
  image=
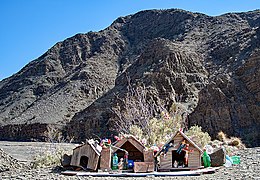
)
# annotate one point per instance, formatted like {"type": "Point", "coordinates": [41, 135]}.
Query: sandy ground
{"type": "Point", "coordinates": [26, 151]}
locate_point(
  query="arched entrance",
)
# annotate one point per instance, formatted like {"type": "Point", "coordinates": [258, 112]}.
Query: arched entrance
{"type": "Point", "coordinates": [84, 162]}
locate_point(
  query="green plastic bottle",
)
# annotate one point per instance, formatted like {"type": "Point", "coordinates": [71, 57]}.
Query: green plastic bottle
{"type": "Point", "coordinates": [206, 159]}
{"type": "Point", "coordinates": [115, 162]}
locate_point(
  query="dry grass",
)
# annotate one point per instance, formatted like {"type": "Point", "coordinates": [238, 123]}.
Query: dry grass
{"type": "Point", "coordinates": [222, 136]}
{"type": "Point", "coordinates": [48, 159]}
{"type": "Point", "coordinates": [231, 144]}
{"type": "Point", "coordinates": [237, 142]}
{"type": "Point", "coordinates": [51, 157]}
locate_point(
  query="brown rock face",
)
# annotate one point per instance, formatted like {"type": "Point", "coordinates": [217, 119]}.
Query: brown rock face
{"type": "Point", "coordinates": [218, 158]}
{"type": "Point", "coordinates": [231, 102]}
{"type": "Point", "coordinates": [213, 62]}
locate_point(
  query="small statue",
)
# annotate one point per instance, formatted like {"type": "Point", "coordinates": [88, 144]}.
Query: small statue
{"type": "Point", "coordinates": [125, 162]}
{"type": "Point", "coordinates": [175, 164]}
{"type": "Point", "coordinates": [186, 157]}
{"type": "Point", "coordinates": [182, 145]}
{"type": "Point", "coordinates": [166, 148]}
{"type": "Point", "coordinates": [120, 164]}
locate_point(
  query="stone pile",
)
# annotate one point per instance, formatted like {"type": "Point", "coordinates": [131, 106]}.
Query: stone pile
{"type": "Point", "coordinates": [8, 163]}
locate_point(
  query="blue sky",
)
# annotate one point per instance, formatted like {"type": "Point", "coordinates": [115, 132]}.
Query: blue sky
{"type": "Point", "coordinates": [31, 27]}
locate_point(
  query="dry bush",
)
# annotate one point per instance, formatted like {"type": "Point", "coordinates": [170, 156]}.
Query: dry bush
{"type": "Point", "coordinates": [136, 131]}
{"type": "Point", "coordinates": [198, 136]}
{"type": "Point", "coordinates": [48, 159]}
{"type": "Point", "coordinates": [51, 157]}
{"type": "Point", "coordinates": [142, 115]}
{"type": "Point", "coordinates": [222, 136]}
{"type": "Point", "coordinates": [237, 142]}
{"type": "Point", "coordinates": [134, 109]}
{"type": "Point", "coordinates": [53, 135]}
{"type": "Point", "coordinates": [160, 130]}
{"type": "Point", "coordinates": [234, 141]}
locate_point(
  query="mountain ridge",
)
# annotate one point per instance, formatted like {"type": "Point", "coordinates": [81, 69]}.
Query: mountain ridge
{"type": "Point", "coordinates": [73, 84]}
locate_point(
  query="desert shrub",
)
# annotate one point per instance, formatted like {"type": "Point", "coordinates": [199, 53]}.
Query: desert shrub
{"type": "Point", "coordinates": [234, 141]}
{"type": "Point", "coordinates": [158, 130]}
{"type": "Point", "coordinates": [231, 145]}
{"type": "Point", "coordinates": [198, 136]}
{"type": "Point", "coordinates": [237, 142]}
{"type": "Point", "coordinates": [222, 136]}
{"type": "Point", "coordinates": [53, 135]}
{"type": "Point", "coordinates": [141, 114]}
{"type": "Point", "coordinates": [48, 159]}
{"type": "Point", "coordinates": [136, 131]}
{"type": "Point", "coordinates": [51, 153]}
{"type": "Point", "coordinates": [230, 150]}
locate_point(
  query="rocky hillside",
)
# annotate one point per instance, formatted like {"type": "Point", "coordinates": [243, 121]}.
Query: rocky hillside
{"type": "Point", "coordinates": [213, 62]}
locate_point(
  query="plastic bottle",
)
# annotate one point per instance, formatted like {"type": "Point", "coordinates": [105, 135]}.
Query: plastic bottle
{"type": "Point", "coordinates": [229, 161]}
{"type": "Point", "coordinates": [115, 162]}
{"type": "Point", "coordinates": [206, 159]}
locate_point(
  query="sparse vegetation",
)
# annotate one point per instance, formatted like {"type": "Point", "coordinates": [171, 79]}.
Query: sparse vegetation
{"type": "Point", "coordinates": [222, 136]}
{"type": "Point", "coordinates": [232, 141]}
{"type": "Point", "coordinates": [48, 159]}
{"type": "Point", "coordinates": [237, 142]}
{"type": "Point", "coordinates": [137, 131]}
{"type": "Point", "coordinates": [198, 136]}
{"type": "Point", "coordinates": [160, 130]}
{"type": "Point", "coordinates": [53, 135]}
{"type": "Point", "coordinates": [231, 145]}
{"type": "Point", "coordinates": [52, 156]}
{"type": "Point", "coordinates": [147, 118]}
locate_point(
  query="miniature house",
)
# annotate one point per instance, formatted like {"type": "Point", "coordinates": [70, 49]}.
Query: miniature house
{"type": "Point", "coordinates": [143, 159]}
{"type": "Point", "coordinates": [86, 156]}
{"type": "Point", "coordinates": [134, 148]}
{"type": "Point", "coordinates": [172, 158]}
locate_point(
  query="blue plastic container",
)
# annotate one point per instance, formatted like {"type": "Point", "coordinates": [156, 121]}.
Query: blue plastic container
{"type": "Point", "coordinates": [130, 164]}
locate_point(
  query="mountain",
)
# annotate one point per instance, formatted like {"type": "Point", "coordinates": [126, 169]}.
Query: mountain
{"type": "Point", "coordinates": [213, 62]}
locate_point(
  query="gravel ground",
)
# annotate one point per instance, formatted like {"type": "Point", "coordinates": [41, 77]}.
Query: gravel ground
{"type": "Point", "coordinates": [11, 168]}
{"type": "Point", "coordinates": [26, 151]}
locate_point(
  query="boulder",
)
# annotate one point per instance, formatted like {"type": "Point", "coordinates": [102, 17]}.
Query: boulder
{"type": "Point", "coordinates": [65, 161]}
{"type": "Point", "coordinates": [218, 157]}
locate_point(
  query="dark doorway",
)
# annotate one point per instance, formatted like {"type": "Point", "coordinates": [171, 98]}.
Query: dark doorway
{"type": "Point", "coordinates": [133, 153]}
{"type": "Point", "coordinates": [84, 162]}
{"type": "Point", "coordinates": [179, 158]}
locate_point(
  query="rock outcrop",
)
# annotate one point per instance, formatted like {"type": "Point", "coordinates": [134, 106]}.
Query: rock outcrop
{"type": "Point", "coordinates": [213, 62]}
{"type": "Point", "coordinates": [218, 157]}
